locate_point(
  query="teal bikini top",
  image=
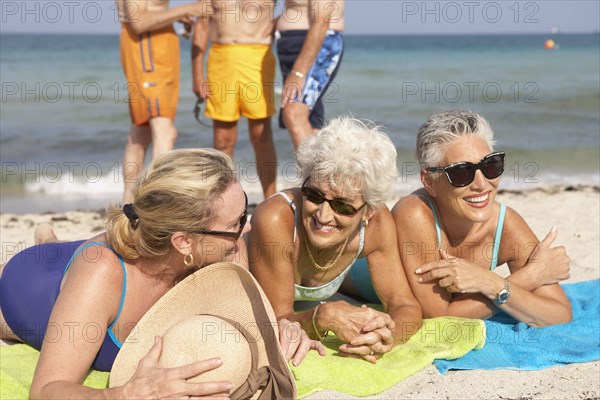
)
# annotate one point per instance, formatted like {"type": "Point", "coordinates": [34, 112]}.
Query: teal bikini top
{"type": "Point", "coordinates": [327, 290]}
{"type": "Point", "coordinates": [497, 237]}
{"type": "Point", "coordinates": [111, 333]}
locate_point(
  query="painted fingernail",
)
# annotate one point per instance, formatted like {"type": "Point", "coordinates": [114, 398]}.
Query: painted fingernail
{"type": "Point", "coordinates": [418, 271]}
{"type": "Point", "coordinates": [420, 280]}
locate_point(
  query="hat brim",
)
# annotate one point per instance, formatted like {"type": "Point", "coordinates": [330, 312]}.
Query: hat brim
{"type": "Point", "coordinates": [224, 290]}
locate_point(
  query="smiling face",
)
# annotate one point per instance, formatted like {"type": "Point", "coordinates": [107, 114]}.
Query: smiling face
{"type": "Point", "coordinates": [230, 208]}
{"type": "Point", "coordinates": [473, 202]}
{"type": "Point", "coordinates": [325, 228]}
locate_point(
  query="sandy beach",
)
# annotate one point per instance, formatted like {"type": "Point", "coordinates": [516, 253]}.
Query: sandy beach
{"type": "Point", "coordinates": [575, 211]}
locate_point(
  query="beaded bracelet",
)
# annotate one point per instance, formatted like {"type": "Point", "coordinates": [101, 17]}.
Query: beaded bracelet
{"type": "Point", "coordinates": [315, 324]}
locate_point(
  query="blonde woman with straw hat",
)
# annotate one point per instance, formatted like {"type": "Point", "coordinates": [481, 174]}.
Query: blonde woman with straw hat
{"type": "Point", "coordinates": [80, 301]}
{"type": "Point", "coordinates": [195, 322]}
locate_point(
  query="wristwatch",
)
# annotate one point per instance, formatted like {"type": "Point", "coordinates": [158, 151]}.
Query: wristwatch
{"type": "Point", "coordinates": [503, 295]}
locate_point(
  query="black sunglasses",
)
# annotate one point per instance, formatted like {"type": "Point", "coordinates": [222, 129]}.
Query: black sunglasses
{"type": "Point", "coordinates": [235, 235]}
{"type": "Point", "coordinates": [198, 111]}
{"type": "Point", "coordinates": [462, 173]}
{"type": "Point", "coordinates": [337, 205]}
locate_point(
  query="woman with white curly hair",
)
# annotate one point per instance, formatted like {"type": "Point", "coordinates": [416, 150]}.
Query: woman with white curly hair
{"type": "Point", "coordinates": [307, 243]}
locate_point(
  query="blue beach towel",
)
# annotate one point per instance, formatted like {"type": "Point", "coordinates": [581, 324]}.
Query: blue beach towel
{"type": "Point", "coordinates": [514, 345]}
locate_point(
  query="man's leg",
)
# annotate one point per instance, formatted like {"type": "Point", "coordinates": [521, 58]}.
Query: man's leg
{"type": "Point", "coordinates": [164, 135]}
{"type": "Point", "coordinates": [261, 137]}
{"type": "Point", "coordinates": [133, 160]}
{"type": "Point", "coordinates": [225, 136]}
{"type": "Point", "coordinates": [296, 119]}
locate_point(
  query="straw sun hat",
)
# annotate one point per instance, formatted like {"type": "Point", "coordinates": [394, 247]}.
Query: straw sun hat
{"type": "Point", "coordinates": [218, 311]}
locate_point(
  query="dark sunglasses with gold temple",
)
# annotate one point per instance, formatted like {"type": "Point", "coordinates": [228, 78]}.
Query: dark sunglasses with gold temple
{"type": "Point", "coordinates": [235, 235]}
{"type": "Point", "coordinates": [338, 206]}
{"type": "Point", "coordinates": [462, 173]}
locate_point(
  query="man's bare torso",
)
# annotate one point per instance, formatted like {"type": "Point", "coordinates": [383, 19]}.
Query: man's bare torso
{"type": "Point", "coordinates": [241, 21]}
{"type": "Point", "coordinates": [297, 14]}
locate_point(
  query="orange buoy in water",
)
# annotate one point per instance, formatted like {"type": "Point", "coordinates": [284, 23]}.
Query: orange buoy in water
{"type": "Point", "coordinates": [549, 44]}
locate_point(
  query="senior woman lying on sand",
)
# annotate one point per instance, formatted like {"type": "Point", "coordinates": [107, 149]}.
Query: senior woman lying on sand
{"type": "Point", "coordinates": [187, 204]}
{"type": "Point", "coordinates": [305, 241]}
{"type": "Point", "coordinates": [452, 233]}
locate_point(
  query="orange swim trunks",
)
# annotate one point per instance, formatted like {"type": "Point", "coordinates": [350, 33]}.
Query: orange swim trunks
{"type": "Point", "coordinates": [151, 65]}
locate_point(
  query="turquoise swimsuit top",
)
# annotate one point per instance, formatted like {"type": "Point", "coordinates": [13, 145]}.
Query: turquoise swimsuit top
{"type": "Point", "coordinates": [327, 290]}
{"type": "Point", "coordinates": [497, 237]}
{"type": "Point", "coordinates": [110, 332]}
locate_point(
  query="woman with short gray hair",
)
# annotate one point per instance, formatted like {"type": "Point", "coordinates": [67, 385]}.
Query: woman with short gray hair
{"type": "Point", "coordinates": [453, 232]}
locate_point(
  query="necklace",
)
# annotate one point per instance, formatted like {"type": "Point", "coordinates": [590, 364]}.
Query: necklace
{"type": "Point", "coordinates": [332, 264]}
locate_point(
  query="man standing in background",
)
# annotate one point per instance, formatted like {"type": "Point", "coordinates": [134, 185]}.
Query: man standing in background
{"type": "Point", "coordinates": [150, 60]}
{"type": "Point", "coordinates": [309, 48]}
{"type": "Point", "coordinates": [240, 77]}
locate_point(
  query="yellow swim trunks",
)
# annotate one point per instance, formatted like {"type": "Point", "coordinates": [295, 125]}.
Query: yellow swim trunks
{"type": "Point", "coordinates": [241, 82]}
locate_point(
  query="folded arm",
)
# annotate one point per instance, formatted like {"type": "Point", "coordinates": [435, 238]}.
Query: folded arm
{"type": "Point", "coordinates": [141, 19]}
{"type": "Point", "coordinates": [460, 287]}
{"type": "Point", "coordinates": [319, 24]}
{"type": "Point", "coordinates": [199, 46]}
{"type": "Point", "coordinates": [402, 312]}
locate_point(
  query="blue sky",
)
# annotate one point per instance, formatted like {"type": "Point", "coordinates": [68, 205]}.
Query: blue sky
{"type": "Point", "coordinates": [362, 16]}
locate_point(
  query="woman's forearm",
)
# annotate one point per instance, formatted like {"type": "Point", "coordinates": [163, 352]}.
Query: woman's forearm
{"type": "Point", "coordinates": [471, 305]}
{"type": "Point", "coordinates": [525, 278]}
{"type": "Point", "coordinates": [535, 309]}
{"type": "Point", "coordinates": [69, 390]}
{"type": "Point", "coordinates": [530, 308]}
{"type": "Point", "coordinates": [304, 318]}
{"type": "Point", "coordinates": [408, 320]}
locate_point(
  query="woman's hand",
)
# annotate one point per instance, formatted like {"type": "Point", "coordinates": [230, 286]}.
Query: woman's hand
{"type": "Point", "coordinates": [458, 275]}
{"type": "Point", "coordinates": [151, 381]}
{"type": "Point", "coordinates": [295, 343]}
{"type": "Point", "coordinates": [550, 265]}
{"type": "Point", "coordinates": [368, 332]}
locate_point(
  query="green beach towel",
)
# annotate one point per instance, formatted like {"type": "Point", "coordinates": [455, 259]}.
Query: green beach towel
{"type": "Point", "coordinates": [439, 338]}
{"type": "Point", "coordinates": [17, 365]}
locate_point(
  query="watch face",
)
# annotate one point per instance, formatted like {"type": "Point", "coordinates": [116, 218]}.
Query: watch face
{"type": "Point", "coordinates": [503, 296]}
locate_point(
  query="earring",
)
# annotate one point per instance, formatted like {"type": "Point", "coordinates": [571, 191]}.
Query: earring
{"type": "Point", "coordinates": [188, 261]}
{"type": "Point", "coordinates": [366, 223]}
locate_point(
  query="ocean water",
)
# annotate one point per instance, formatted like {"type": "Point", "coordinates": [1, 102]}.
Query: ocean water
{"type": "Point", "coordinates": [64, 119]}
